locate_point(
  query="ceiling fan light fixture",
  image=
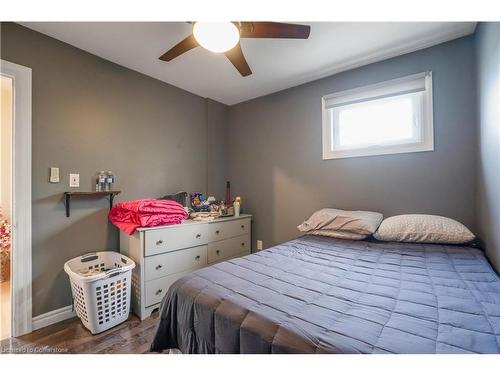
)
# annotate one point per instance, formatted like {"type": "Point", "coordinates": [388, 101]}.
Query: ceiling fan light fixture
{"type": "Point", "coordinates": [216, 37]}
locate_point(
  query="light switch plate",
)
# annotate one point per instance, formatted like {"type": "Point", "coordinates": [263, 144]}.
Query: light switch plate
{"type": "Point", "coordinates": [54, 175]}
{"type": "Point", "coordinates": [74, 180]}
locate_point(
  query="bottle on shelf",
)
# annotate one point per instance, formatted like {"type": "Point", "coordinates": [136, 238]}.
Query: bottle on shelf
{"type": "Point", "coordinates": [110, 180]}
{"type": "Point", "coordinates": [102, 181]}
{"type": "Point", "coordinates": [98, 181]}
{"type": "Point", "coordinates": [97, 178]}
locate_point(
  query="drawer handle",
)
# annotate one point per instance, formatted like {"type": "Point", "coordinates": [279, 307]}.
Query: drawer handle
{"type": "Point", "coordinates": [242, 226]}
{"type": "Point", "coordinates": [242, 244]}
{"type": "Point", "coordinates": [197, 257]}
{"type": "Point", "coordinates": [159, 291]}
{"type": "Point", "coordinates": [159, 242]}
{"type": "Point", "coordinates": [217, 252]}
{"type": "Point", "coordinates": [198, 235]}
{"type": "Point", "coordinates": [217, 231]}
{"type": "Point", "coordinates": [159, 266]}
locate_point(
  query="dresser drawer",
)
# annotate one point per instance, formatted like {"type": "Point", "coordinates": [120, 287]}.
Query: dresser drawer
{"type": "Point", "coordinates": [227, 229]}
{"type": "Point", "coordinates": [176, 261]}
{"type": "Point", "coordinates": [174, 238]}
{"type": "Point", "coordinates": [224, 249]}
{"type": "Point", "coordinates": [156, 289]}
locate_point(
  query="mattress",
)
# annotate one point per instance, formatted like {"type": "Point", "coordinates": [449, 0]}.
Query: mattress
{"type": "Point", "coordinates": [324, 295]}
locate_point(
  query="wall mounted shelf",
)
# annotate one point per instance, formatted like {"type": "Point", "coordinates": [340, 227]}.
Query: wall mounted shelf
{"type": "Point", "coordinates": [68, 194]}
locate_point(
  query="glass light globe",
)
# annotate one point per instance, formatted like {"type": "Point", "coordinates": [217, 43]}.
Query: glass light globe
{"type": "Point", "coordinates": [216, 36]}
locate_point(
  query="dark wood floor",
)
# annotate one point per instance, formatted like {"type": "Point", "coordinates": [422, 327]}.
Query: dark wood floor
{"type": "Point", "coordinates": [70, 336]}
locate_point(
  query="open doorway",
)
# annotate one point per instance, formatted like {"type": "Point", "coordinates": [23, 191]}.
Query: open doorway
{"type": "Point", "coordinates": [6, 116]}
{"type": "Point", "coordinates": [15, 200]}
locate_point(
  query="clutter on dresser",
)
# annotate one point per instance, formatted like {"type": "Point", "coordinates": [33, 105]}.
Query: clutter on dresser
{"type": "Point", "coordinates": [223, 208]}
{"type": "Point", "coordinates": [198, 204]}
{"type": "Point", "coordinates": [213, 208]}
{"type": "Point", "coordinates": [204, 216]}
{"type": "Point", "coordinates": [207, 209]}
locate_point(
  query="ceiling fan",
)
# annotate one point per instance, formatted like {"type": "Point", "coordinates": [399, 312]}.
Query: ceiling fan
{"type": "Point", "coordinates": [224, 37]}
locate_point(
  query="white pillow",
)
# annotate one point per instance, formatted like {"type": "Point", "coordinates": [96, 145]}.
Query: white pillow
{"type": "Point", "coordinates": [355, 225]}
{"type": "Point", "coordinates": [423, 228]}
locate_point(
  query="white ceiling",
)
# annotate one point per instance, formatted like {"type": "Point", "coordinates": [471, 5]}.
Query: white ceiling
{"type": "Point", "coordinates": [276, 64]}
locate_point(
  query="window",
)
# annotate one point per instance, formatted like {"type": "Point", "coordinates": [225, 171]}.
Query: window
{"type": "Point", "coordinates": [386, 118]}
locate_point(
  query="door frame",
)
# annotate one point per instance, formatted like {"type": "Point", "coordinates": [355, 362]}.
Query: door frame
{"type": "Point", "coordinates": [21, 276]}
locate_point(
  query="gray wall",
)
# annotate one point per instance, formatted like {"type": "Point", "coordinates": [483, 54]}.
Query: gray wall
{"type": "Point", "coordinates": [275, 160]}
{"type": "Point", "coordinates": [217, 117]}
{"type": "Point", "coordinates": [89, 115]}
{"type": "Point", "coordinates": [488, 197]}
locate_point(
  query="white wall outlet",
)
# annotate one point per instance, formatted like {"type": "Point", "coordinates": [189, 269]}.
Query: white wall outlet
{"type": "Point", "coordinates": [54, 175]}
{"type": "Point", "coordinates": [259, 244]}
{"type": "Point", "coordinates": [74, 180]}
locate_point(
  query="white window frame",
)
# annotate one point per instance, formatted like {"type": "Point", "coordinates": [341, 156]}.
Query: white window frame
{"type": "Point", "coordinates": [420, 82]}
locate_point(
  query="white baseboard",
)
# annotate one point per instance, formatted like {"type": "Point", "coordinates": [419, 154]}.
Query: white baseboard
{"type": "Point", "coordinates": [52, 317]}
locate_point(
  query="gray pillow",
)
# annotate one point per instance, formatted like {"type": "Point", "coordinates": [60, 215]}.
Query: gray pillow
{"type": "Point", "coordinates": [355, 225]}
{"type": "Point", "coordinates": [424, 229]}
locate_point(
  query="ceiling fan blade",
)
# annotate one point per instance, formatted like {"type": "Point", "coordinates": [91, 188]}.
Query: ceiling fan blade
{"type": "Point", "coordinates": [236, 56]}
{"type": "Point", "coordinates": [185, 45]}
{"type": "Point", "coordinates": [274, 30]}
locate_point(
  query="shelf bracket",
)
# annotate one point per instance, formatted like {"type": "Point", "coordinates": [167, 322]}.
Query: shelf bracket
{"type": "Point", "coordinates": [111, 198]}
{"type": "Point", "coordinates": [66, 204]}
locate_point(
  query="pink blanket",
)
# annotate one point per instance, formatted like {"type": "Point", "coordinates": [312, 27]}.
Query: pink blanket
{"type": "Point", "coordinates": [128, 216]}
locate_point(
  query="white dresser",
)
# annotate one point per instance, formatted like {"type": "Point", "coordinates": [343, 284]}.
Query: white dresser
{"type": "Point", "coordinates": [165, 254]}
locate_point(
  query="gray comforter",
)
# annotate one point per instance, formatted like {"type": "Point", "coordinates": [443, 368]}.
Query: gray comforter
{"type": "Point", "coordinates": [321, 295]}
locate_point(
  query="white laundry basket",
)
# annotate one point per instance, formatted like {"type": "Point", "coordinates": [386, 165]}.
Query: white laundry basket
{"type": "Point", "coordinates": [101, 284]}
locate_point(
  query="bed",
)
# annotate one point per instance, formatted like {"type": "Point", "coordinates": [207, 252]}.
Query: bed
{"type": "Point", "coordinates": [324, 295]}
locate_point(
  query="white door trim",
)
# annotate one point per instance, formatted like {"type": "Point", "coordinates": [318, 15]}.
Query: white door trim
{"type": "Point", "coordinates": [21, 198]}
